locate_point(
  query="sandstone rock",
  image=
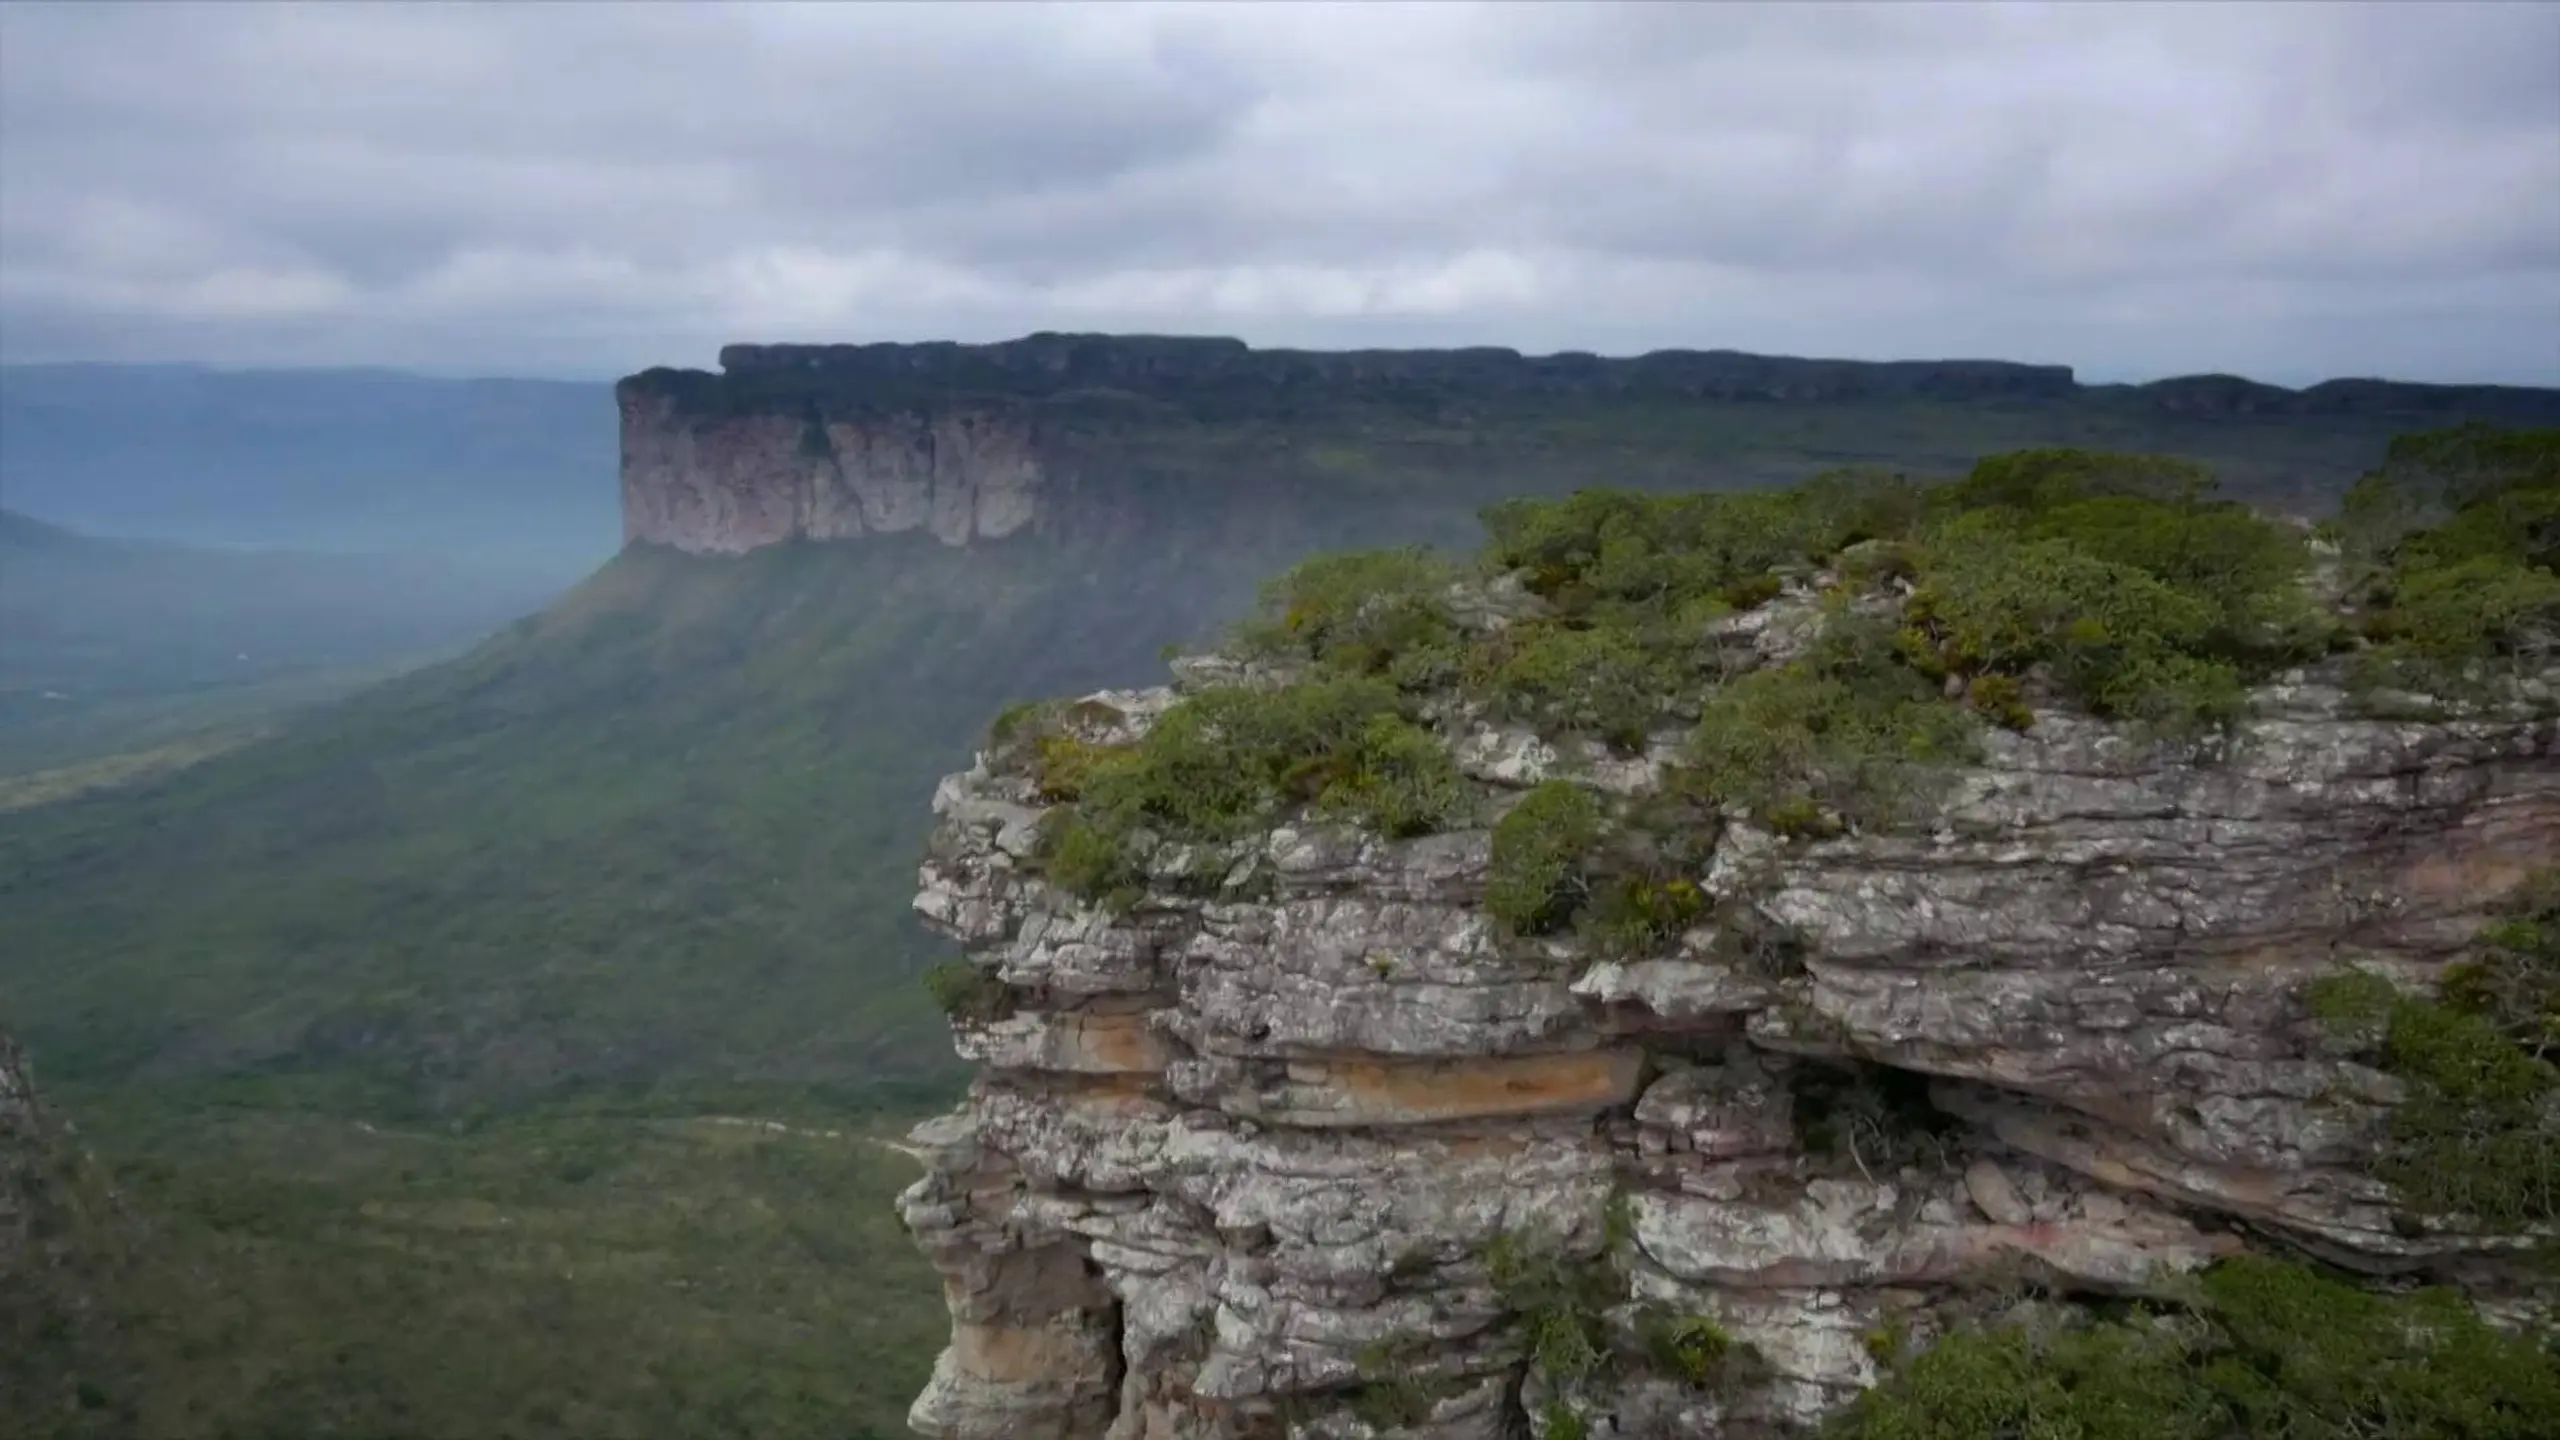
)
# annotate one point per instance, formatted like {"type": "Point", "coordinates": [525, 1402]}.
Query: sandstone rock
{"type": "Point", "coordinates": [1993, 1195]}
{"type": "Point", "coordinates": [736, 482]}
{"type": "Point", "coordinates": [1278, 1123]}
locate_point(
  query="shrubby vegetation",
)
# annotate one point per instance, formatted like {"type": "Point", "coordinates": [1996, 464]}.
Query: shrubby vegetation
{"type": "Point", "coordinates": [1537, 851]}
{"type": "Point", "coordinates": [965, 991]}
{"type": "Point", "coordinates": [1228, 762]}
{"type": "Point", "coordinates": [2264, 1348]}
{"type": "Point", "coordinates": [2452, 546]}
{"type": "Point", "coordinates": [1842, 736]}
{"type": "Point", "coordinates": [2118, 584]}
{"type": "Point", "coordinates": [1580, 1335]}
{"type": "Point", "coordinates": [2478, 1135]}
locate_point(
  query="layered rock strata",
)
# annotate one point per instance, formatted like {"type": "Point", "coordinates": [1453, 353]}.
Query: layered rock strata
{"type": "Point", "coordinates": [742, 482]}
{"type": "Point", "coordinates": [1241, 1161]}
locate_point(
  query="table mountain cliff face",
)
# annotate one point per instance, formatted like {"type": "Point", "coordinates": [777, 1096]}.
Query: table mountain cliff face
{"type": "Point", "coordinates": [979, 442]}
{"type": "Point", "coordinates": [1242, 1158]}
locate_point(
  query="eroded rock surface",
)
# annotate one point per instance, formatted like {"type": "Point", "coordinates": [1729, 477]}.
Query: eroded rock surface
{"type": "Point", "coordinates": [730, 483]}
{"type": "Point", "coordinates": [22, 1151]}
{"type": "Point", "coordinates": [1241, 1155]}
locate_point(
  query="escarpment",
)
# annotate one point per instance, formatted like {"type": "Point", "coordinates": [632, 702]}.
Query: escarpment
{"type": "Point", "coordinates": [59, 1256]}
{"type": "Point", "coordinates": [1095, 434]}
{"type": "Point", "coordinates": [23, 1143]}
{"type": "Point", "coordinates": [1722, 957]}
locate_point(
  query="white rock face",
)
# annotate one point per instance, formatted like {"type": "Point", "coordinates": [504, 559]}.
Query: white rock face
{"type": "Point", "coordinates": [1255, 1142]}
{"type": "Point", "coordinates": [729, 484]}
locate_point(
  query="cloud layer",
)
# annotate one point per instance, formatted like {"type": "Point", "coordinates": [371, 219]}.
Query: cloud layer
{"type": "Point", "coordinates": [2291, 190]}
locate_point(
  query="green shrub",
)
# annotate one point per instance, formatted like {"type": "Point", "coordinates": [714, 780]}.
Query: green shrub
{"type": "Point", "coordinates": [2147, 600]}
{"type": "Point", "coordinates": [1565, 1423]}
{"type": "Point", "coordinates": [1535, 881]}
{"type": "Point", "coordinates": [1063, 765]}
{"type": "Point", "coordinates": [1634, 915]}
{"type": "Point", "coordinates": [2453, 542]}
{"type": "Point", "coordinates": [1619, 552]}
{"type": "Point", "coordinates": [1391, 1395]}
{"type": "Point", "coordinates": [2037, 482]}
{"type": "Point", "coordinates": [1690, 1348]}
{"type": "Point", "coordinates": [2000, 700]}
{"type": "Point", "coordinates": [1847, 731]}
{"type": "Point", "coordinates": [2428, 480]}
{"type": "Point", "coordinates": [1561, 1305]}
{"type": "Point", "coordinates": [1357, 613]}
{"type": "Point", "coordinates": [1605, 683]}
{"type": "Point", "coordinates": [2272, 1349]}
{"type": "Point", "coordinates": [1224, 764]}
{"type": "Point", "coordinates": [2513, 984]}
{"type": "Point", "coordinates": [2219, 553]}
{"type": "Point", "coordinates": [1396, 779]}
{"type": "Point", "coordinates": [1085, 859]}
{"type": "Point", "coordinates": [966, 991]}
{"type": "Point", "coordinates": [1012, 721]}
{"type": "Point", "coordinates": [2440, 619]}
{"type": "Point", "coordinates": [2121, 640]}
{"type": "Point", "coordinates": [2476, 1134]}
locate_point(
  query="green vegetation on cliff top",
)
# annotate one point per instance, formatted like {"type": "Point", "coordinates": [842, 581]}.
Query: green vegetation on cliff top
{"type": "Point", "coordinates": [2117, 585]}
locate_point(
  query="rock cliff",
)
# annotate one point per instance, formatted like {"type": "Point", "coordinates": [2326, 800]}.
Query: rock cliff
{"type": "Point", "coordinates": [1311, 1126]}
{"type": "Point", "coordinates": [978, 442]}
{"type": "Point", "coordinates": [23, 1145]}
{"type": "Point", "coordinates": [57, 1265]}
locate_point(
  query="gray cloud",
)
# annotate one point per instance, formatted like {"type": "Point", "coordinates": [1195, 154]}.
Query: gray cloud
{"type": "Point", "coordinates": [2290, 190]}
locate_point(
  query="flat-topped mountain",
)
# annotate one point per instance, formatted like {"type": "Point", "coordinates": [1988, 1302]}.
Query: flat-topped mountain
{"type": "Point", "coordinates": [1103, 434]}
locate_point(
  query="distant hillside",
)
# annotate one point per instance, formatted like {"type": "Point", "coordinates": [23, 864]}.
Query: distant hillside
{"type": "Point", "coordinates": [109, 642]}
{"type": "Point", "coordinates": [661, 832]}
{"type": "Point", "coordinates": [518, 472]}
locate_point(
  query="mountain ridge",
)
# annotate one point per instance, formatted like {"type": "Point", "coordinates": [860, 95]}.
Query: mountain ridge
{"type": "Point", "coordinates": [1048, 362]}
{"type": "Point", "coordinates": [1087, 434]}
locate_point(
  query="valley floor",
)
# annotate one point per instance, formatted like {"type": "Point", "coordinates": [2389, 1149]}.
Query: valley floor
{"type": "Point", "coordinates": [723, 1266]}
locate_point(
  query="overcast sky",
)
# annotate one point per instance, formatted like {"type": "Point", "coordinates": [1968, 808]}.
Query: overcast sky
{"type": "Point", "coordinates": [2291, 190]}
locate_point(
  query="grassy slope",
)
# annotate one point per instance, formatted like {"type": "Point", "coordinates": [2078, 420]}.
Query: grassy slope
{"type": "Point", "coordinates": [584, 1271]}
{"type": "Point", "coordinates": [664, 831]}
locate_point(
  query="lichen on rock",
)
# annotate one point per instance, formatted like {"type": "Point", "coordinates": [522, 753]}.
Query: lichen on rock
{"type": "Point", "coordinates": [1724, 956]}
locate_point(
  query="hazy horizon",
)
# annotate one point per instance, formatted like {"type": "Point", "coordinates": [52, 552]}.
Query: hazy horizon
{"type": "Point", "coordinates": [464, 373]}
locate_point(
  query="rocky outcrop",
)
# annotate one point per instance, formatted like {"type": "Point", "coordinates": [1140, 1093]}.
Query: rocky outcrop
{"type": "Point", "coordinates": [979, 442]}
{"type": "Point", "coordinates": [24, 1147]}
{"type": "Point", "coordinates": [60, 1254]}
{"type": "Point", "coordinates": [1247, 1159]}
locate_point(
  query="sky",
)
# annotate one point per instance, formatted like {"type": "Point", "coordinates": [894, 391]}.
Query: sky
{"type": "Point", "coordinates": [2290, 191]}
